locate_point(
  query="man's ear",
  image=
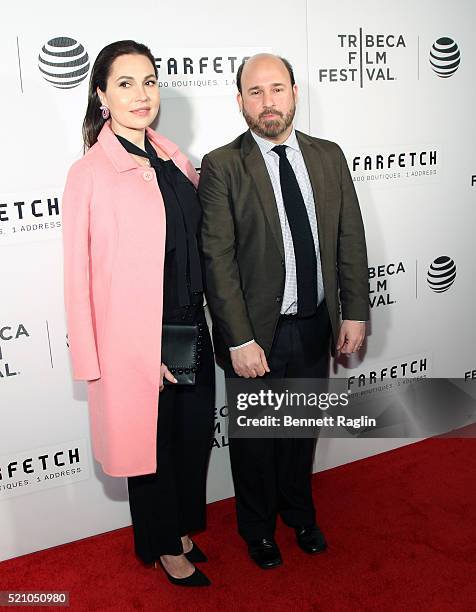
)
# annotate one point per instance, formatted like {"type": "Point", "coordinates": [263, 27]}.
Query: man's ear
{"type": "Point", "coordinates": [239, 99]}
{"type": "Point", "coordinates": [295, 92]}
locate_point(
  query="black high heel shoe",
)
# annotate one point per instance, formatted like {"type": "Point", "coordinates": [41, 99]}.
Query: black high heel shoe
{"type": "Point", "coordinates": [195, 555]}
{"type": "Point", "coordinates": [197, 579]}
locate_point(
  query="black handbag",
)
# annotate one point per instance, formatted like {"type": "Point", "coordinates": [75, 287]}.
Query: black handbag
{"type": "Point", "coordinates": [181, 348]}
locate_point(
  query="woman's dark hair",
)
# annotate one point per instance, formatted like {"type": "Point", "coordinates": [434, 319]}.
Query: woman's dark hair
{"type": "Point", "coordinates": [239, 72]}
{"type": "Point", "coordinates": [93, 120]}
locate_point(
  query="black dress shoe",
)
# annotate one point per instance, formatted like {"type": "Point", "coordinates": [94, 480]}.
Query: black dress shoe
{"type": "Point", "coordinates": [197, 579]}
{"type": "Point", "coordinates": [195, 555]}
{"type": "Point", "coordinates": [265, 553]}
{"type": "Point", "coordinates": [310, 539]}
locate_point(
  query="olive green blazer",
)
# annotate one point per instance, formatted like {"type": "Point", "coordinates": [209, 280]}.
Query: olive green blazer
{"type": "Point", "coordinates": [243, 247]}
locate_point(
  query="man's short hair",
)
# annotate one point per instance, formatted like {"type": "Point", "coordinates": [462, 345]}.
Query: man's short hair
{"type": "Point", "coordinates": [239, 72]}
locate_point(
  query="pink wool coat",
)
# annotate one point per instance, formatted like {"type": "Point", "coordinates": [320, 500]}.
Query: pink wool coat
{"type": "Point", "coordinates": [114, 243]}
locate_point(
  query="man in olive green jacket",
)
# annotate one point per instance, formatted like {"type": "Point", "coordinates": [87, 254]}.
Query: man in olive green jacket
{"type": "Point", "coordinates": [281, 228]}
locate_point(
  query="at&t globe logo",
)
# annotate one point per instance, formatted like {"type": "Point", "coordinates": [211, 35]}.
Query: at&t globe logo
{"type": "Point", "coordinates": [441, 274]}
{"type": "Point", "coordinates": [445, 57]}
{"type": "Point", "coordinates": [63, 62]}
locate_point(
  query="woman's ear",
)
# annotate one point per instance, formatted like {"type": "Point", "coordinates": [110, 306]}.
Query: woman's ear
{"type": "Point", "coordinates": [100, 96]}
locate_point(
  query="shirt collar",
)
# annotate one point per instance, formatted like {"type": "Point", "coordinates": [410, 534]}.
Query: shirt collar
{"type": "Point", "coordinates": [266, 146]}
{"type": "Point", "coordinates": [119, 157]}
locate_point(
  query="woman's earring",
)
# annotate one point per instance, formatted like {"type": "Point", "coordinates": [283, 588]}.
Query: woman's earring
{"type": "Point", "coordinates": [105, 111]}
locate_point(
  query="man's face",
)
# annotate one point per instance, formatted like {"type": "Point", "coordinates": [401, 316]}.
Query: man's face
{"type": "Point", "coordinates": [268, 100]}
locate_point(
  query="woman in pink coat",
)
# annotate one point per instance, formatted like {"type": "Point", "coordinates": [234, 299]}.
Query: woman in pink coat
{"type": "Point", "coordinates": [131, 261]}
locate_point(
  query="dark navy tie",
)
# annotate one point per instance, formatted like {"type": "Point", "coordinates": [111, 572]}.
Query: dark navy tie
{"type": "Point", "coordinates": [303, 241]}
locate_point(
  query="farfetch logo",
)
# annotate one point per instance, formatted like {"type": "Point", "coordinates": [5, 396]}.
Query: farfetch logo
{"type": "Point", "coordinates": [445, 57]}
{"type": "Point", "coordinates": [200, 71]}
{"type": "Point", "coordinates": [43, 468]}
{"type": "Point", "coordinates": [63, 62]}
{"type": "Point", "coordinates": [441, 274]}
{"type": "Point", "coordinates": [29, 216]}
{"type": "Point", "coordinates": [389, 375]}
{"type": "Point", "coordinates": [367, 58]}
{"type": "Point", "coordinates": [388, 164]}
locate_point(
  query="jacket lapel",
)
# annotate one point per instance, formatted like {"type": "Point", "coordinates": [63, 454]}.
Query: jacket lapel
{"type": "Point", "coordinates": [315, 168]}
{"type": "Point", "coordinates": [256, 167]}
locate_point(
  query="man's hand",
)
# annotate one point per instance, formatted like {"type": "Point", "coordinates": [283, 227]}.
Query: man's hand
{"type": "Point", "coordinates": [351, 337]}
{"type": "Point", "coordinates": [249, 361]}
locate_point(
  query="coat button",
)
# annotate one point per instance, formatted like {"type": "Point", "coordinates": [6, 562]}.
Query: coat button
{"type": "Point", "coordinates": [147, 175]}
{"type": "Point", "coordinates": [279, 298]}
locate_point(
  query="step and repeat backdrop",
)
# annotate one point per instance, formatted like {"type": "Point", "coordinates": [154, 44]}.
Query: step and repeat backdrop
{"type": "Point", "coordinates": [392, 83]}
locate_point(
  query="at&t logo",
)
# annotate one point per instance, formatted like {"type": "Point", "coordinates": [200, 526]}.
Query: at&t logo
{"type": "Point", "coordinates": [445, 57]}
{"type": "Point", "coordinates": [63, 62]}
{"type": "Point", "coordinates": [441, 274]}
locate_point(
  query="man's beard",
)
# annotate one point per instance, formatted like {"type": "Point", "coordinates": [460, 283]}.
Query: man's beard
{"type": "Point", "coordinates": [273, 127]}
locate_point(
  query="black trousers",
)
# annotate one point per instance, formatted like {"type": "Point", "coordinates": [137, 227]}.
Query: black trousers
{"type": "Point", "coordinates": [273, 476]}
{"type": "Point", "coordinates": [172, 502]}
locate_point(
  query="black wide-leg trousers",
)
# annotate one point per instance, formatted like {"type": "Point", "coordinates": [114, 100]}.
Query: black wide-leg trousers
{"type": "Point", "coordinates": [172, 502]}
{"type": "Point", "coordinates": [273, 476]}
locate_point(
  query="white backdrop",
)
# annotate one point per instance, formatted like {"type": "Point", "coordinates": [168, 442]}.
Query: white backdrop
{"type": "Point", "coordinates": [365, 81]}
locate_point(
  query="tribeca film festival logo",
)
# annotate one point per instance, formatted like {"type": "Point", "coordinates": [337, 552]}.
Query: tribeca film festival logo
{"type": "Point", "coordinates": [367, 58]}
{"type": "Point", "coordinates": [63, 62]}
{"type": "Point", "coordinates": [441, 274]}
{"type": "Point", "coordinates": [25, 217]}
{"type": "Point", "coordinates": [43, 468]}
{"type": "Point", "coordinates": [10, 333]}
{"type": "Point", "coordinates": [379, 278]}
{"type": "Point", "coordinates": [388, 164]}
{"type": "Point", "coordinates": [445, 57]}
{"type": "Point", "coordinates": [200, 71]}
{"type": "Point", "coordinates": [220, 439]}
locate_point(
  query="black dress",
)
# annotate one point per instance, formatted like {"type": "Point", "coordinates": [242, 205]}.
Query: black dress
{"type": "Point", "coordinates": [172, 502]}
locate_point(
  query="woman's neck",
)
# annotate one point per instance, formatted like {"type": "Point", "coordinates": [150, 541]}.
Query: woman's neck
{"type": "Point", "coordinates": [137, 137]}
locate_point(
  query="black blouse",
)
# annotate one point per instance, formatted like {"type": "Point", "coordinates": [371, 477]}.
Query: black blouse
{"type": "Point", "coordinates": [183, 285]}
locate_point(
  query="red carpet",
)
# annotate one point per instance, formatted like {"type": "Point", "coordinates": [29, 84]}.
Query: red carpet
{"type": "Point", "coordinates": [401, 528]}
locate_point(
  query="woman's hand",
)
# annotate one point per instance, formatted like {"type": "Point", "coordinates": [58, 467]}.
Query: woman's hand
{"type": "Point", "coordinates": [165, 373]}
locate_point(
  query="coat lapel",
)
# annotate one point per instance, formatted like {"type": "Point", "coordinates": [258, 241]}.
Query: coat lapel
{"type": "Point", "coordinates": [172, 150]}
{"type": "Point", "coordinates": [119, 157]}
{"type": "Point", "coordinates": [256, 167]}
{"type": "Point", "coordinates": [123, 161]}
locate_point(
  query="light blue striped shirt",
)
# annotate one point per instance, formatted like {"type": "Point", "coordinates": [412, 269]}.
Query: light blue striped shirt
{"type": "Point", "coordinates": [271, 159]}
